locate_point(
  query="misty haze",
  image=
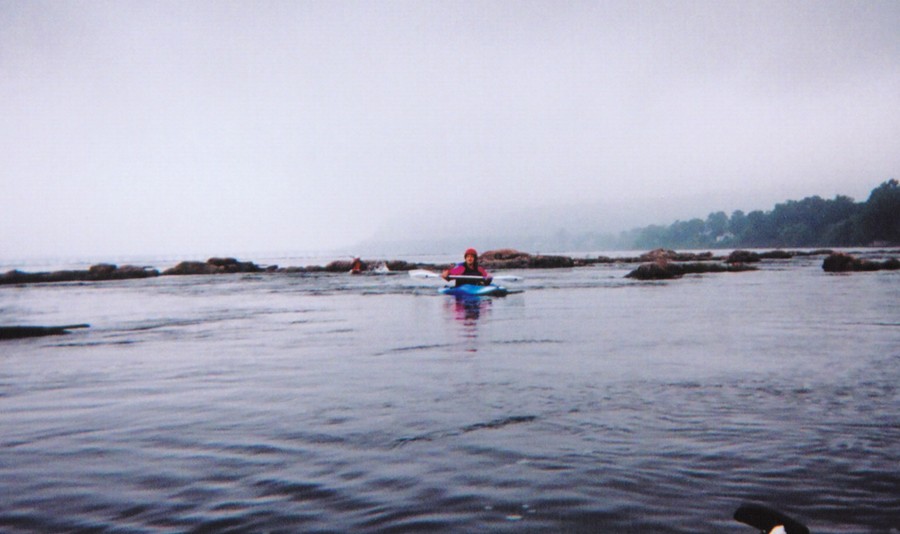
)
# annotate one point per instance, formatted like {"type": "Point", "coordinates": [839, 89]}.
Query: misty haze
{"type": "Point", "coordinates": [164, 127]}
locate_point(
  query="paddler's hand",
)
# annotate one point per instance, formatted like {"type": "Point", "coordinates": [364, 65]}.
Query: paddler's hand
{"type": "Point", "coordinates": [446, 274]}
{"type": "Point", "coordinates": [488, 280]}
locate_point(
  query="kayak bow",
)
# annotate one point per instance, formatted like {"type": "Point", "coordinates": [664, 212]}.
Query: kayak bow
{"type": "Point", "coordinates": [470, 290]}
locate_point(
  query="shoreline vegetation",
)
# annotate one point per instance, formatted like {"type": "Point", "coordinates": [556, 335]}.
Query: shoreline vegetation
{"type": "Point", "coordinates": [812, 222]}
{"type": "Point", "coordinates": [658, 264]}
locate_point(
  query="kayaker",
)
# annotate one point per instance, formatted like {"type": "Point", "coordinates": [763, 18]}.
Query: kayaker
{"type": "Point", "coordinates": [468, 268]}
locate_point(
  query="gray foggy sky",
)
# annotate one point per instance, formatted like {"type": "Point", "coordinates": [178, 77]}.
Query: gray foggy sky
{"type": "Point", "coordinates": [154, 127]}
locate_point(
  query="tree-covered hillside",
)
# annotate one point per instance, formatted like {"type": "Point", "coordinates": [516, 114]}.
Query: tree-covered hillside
{"type": "Point", "coordinates": [811, 222]}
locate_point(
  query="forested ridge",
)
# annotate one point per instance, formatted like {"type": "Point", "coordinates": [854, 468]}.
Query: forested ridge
{"type": "Point", "coordinates": [811, 222]}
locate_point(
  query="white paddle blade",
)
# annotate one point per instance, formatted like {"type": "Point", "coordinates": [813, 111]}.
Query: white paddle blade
{"type": "Point", "coordinates": [422, 273]}
{"type": "Point", "coordinates": [508, 278]}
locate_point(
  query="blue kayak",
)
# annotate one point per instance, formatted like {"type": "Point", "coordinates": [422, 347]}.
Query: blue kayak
{"type": "Point", "coordinates": [470, 290]}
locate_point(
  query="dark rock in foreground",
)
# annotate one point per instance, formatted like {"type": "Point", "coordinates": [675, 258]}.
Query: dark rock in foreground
{"type": "Point", "coordinates": [667, 270]}
{"type": "Point", "coordinates": [17, 332]}
{"type": "Point", "coordinates": [99, 272]}
{"type": "Point", "coordinates": [842, 263]}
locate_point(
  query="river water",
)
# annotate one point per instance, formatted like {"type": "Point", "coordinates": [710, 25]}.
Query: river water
{"type": "Point", "coordinates": [334, 403]}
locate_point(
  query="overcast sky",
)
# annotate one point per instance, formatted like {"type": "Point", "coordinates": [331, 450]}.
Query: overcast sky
{"type": "Point", "coordinates": [167, 127]}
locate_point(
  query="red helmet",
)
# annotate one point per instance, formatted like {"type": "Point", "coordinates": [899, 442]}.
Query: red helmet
{"type": "Point", "coordinates": [471, 251]}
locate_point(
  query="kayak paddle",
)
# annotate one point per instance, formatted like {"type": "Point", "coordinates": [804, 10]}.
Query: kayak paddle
{"type": "Point", "coordinates": [422, 273]}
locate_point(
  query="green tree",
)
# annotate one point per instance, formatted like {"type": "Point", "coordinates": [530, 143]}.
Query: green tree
{"type": "Point", "coordinates": [717, 224]}
{"type": "Point", "coordinates": [880, 216]}
{"type": "Point", "coordinates": [738, 224]}
{"type": "Point", "coordinates": [760, 230]}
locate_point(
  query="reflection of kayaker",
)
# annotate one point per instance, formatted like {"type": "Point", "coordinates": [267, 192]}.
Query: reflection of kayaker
{"type": "Point", "coordinates": [356, 266]}
{"type": "Point", "coordinates": [469, 268]}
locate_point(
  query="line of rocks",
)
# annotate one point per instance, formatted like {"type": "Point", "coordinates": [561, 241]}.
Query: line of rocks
{"type": "Point", "coordinates": [655, 265]}
{"type": "Point", "coordinates": [96, 273]}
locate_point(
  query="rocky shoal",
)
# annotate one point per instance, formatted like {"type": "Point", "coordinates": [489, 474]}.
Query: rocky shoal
{"type": "Point", "coordinates": [656, 264]}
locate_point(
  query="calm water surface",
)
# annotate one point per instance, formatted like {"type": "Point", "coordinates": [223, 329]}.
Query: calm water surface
{"type": "Point", "coordinates": [586, 403]}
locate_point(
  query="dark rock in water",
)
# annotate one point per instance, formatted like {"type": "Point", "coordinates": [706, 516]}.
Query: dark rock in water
{"type": "Point", "coordinates": [508, 258]}
{"type": "Point", "coordinates": [581, 262]}
{"type": "Point", "coordinates": [95, 273]}
{"type": "Point", "coordinates": [338, 266]}
{"type": "Point", "coordinates": [550, 262]}
{"type": "Point", "coordinates": [743, 256]}
{"type": "Point", "coordinates": [776, 255]}
{"type": "Point", "coordinates": [840, 262]}
{"type": "Point", "coordinates": [191, 268]}
{"type": "Point", "coordinates": [102, 269]}
{"type": "Point", "coordinates": [667, 270]}
{"type": "Point", "coordinates": [18, 332]}
{"type": "Point", "coordinates": [400, 265]}
{"type": "Point", "coordinates": [658, 270]}
{"type": "Point", "coordinates": [106, 271]}
{"type": "Point", "coordinates": [213, 266]}
{"type": "Point", "coordinates": [661, 254]}
{"type": "Point", "coordinates": [231, 265]}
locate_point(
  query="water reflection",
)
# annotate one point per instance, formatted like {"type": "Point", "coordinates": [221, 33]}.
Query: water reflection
{"type": "Point", "coordinates": [467, 311]}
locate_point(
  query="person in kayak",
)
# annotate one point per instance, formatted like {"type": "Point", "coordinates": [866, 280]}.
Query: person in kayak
{"type": "Point", "coordinates": [468, 268]}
